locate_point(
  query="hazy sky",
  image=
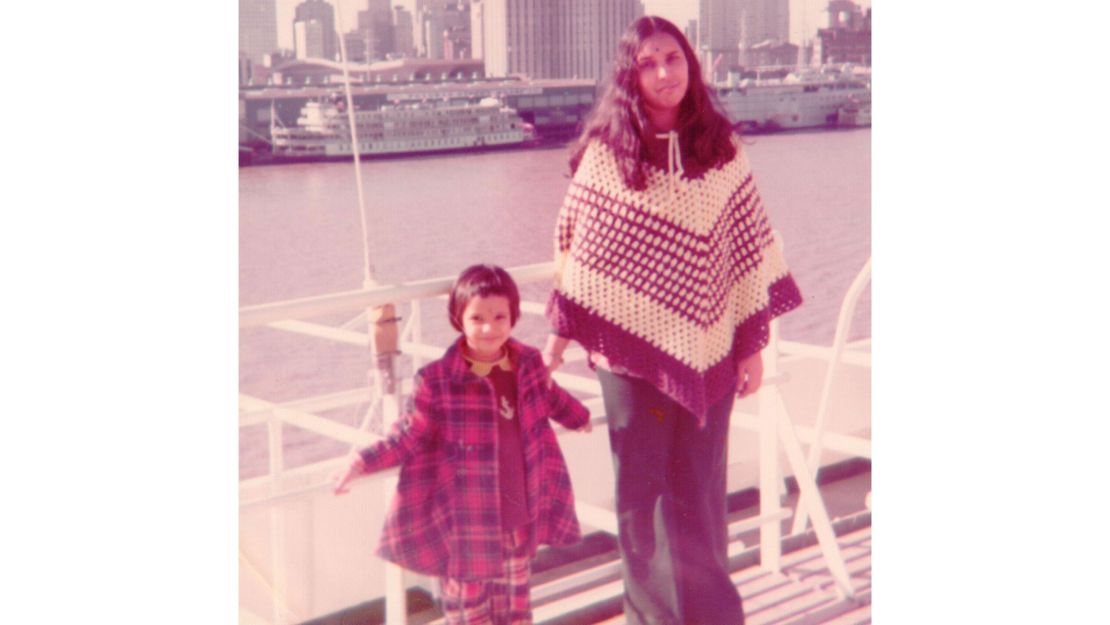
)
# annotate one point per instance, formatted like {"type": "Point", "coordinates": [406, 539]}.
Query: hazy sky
{"type": "Point", "coordinates": [806, 16]}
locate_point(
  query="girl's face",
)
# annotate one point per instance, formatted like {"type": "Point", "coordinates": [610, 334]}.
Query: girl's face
{"type": "Point", "coordinates": [663, 72]}
{"type": "Point", "coordinates": [486, 325]}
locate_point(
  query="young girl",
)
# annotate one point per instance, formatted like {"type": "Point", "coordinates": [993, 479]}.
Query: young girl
{"type": "Point", "coordinates": [669, 274]}
{"type": "Point", "coordinates": [482, 479]}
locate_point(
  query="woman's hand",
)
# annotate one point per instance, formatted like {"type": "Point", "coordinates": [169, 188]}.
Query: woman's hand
{"type": "Point", "coordinates": [749, 375]}
{"type": "Point", "coordinates": [553, 356]}
{"type": "Point", "coordinates": [355, 469]}
{"type": "Point", "coordinates": [551, 362]}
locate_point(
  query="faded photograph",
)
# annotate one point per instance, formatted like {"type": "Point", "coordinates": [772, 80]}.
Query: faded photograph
{"type": "Point", "coordinates": [554, 312]}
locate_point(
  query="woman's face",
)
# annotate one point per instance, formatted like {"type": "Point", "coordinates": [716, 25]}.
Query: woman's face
{"type": "Point", "coordinates": [663, 72]}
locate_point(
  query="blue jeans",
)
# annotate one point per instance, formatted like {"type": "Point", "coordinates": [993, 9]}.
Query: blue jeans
{"type": "Point", "coordinates": [671, 488]}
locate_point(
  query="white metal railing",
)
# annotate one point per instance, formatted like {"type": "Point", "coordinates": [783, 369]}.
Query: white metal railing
{"type": "Point", "coordinates": [772, 422]}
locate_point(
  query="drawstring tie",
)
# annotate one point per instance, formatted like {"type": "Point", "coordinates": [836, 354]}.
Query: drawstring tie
{"type": "Point", "coordinates": [674, 161]}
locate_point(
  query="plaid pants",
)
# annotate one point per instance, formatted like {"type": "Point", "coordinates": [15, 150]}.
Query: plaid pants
{"type": "Point", "coordinates": [501, 601]}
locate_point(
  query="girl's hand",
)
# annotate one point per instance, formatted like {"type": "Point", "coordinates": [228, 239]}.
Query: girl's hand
{"type": "Point", "coordinates": [355, 469]}
{"type": "Point", "coordinates": [586, 429]}
{"type": "Point", "coordinates": [749, 375]}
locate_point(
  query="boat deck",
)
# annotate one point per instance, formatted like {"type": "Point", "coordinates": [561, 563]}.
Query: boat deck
{"type": "Point", "coordinates": [585, 588]}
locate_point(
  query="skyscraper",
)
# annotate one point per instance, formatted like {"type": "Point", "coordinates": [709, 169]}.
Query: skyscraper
{"type": "Point", "coordinates": [402, 31]}
{"type": "Point", "coordinates": [257, 29]}
{"type": "Point", "coordinates": [729, 28]}
{"type": "Point", "coordinates": [543, 39]}
{"type": "Point", "coordinates": [718, 36]}
{"type": "Point", "coordinates": [762, 22]}
{"type": "Point", "coordinates": [378, 28]}
{"type": "Point", "coordinates": [442, 26]}
{"type": "Point", "coordinates": [477, 28]}
{"type": "Point", "coordinates": [314, 30]}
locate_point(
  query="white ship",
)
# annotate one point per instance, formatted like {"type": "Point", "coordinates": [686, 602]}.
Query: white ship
{"type": "Point", "coordinates": [856, 112]}
{"type": "Point", "coordinates": [797, 100]}
{"type": "Point", "coordinates": [322, 129]}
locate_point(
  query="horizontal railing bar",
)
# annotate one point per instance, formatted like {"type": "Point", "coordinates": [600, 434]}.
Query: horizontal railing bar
{"type": "Point", "coordinates": [851, 357]}
{"type": "Point", "coordinates": [303, 420]}
{"type": "Point", "coordinates": [319, 487]}
{"type": "Point", "coordinates": [326, 427]}
{"type": "Point", "coordinates": [302, 308]}
{"type": "Point", "coordinates": [319, 330]}
{"type": "Point", "coordinates": [596, 517]}
{"type": "Point", "coordinates": [843, 443]}
{"type": "Point", "coordinates": [253, 410]}
{"type": "Point", "coordinates": [543, 593]}
{"type": "Point", "coordinates": [249, 403]}
{"type": "Point", "coordinates": [746, 525]}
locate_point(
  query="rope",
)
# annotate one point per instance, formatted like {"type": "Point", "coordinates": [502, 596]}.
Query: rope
{"type": "Point", "coordinates": [368, 270]}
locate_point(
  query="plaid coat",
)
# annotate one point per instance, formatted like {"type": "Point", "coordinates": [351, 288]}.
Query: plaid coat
{"type": "Point", "coordinates": [445, 519]}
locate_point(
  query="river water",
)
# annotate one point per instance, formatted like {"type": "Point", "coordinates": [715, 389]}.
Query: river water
{"type": "Point", "coordinates": [300, 235]}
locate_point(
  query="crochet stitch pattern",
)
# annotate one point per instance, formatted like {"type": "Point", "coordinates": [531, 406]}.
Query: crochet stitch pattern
{"type": "Point", "coordinates": [676, 283]}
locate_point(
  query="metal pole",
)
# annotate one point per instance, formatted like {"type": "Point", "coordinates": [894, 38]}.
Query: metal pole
{"type": "Point", "coordinates": [382, 322]}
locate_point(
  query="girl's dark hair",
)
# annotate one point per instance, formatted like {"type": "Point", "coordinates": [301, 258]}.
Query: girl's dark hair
{"type": "Point", "coordinates": [482, 281]}
{"type": "Point", "coordinates": [618, 117]}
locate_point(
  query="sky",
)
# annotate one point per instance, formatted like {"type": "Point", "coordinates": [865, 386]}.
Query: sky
{"type": "Point", "coordinates": [806, 15]}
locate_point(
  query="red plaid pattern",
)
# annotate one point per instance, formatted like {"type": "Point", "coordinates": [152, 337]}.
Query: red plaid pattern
{"type": "Point", "coordinates": [501, 601]}
{"type": "Point", "coordinates": [445, 519]}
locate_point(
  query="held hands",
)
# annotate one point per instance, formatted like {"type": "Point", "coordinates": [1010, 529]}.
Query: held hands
{"type": "Point", "coordinates": [356, 468]}
{"type": "Point", "coordinates": [749, 375]}
{"type": "Point", "coordinates": [551, 362]}
{"type": "Point", "coordinates": [552, 354]}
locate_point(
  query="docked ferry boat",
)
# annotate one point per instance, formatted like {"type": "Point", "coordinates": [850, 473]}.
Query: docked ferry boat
{"type": "Point", "coordinates": [322, 129]}
{"type": "Point", "coordinates": [796, 100]}
{"type": "Point", "coordinates": [857, 112]}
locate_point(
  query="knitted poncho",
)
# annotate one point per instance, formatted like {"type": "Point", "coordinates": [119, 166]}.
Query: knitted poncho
{"type": "Point", "coordinates": [676, 283]}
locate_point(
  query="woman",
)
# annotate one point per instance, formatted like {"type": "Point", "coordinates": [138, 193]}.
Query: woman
{"type": "Point", "coordinates": [668, 275]}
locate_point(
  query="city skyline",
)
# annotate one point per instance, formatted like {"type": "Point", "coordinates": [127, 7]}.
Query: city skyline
{"type": "Point", "coordinates": [806, 16]}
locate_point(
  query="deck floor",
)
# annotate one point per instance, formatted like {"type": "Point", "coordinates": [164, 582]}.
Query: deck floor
{"type": "Point", "coordinates": [804, 592]}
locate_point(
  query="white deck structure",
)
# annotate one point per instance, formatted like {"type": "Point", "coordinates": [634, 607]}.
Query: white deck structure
{"type": "Point", "coordinates": [305, 553]}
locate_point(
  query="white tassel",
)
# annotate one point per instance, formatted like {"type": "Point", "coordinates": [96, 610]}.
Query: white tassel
{"type": "Point", "coordinates": [674, 161]}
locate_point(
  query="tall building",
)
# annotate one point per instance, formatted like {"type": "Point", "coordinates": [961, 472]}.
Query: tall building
{"type": "Point", "coordinates": [763, 23]}
{"type": "Point", "coordinates": [443, 29]}
{"type": "Point", "coordinates": [456, 31]}
{"type": "Point", "coordinates": [691, 32]}
{"type": "Point", "coordinates": [314, 30]}
{"type": "Point", "coordinates": [430, 45]}
{"type": "Point", "coordinates": [477, 12]}
{"type": "Point", "coordinates": [718, 36]}
{"type": "Point", "coordinates": [356, 45]}
{"type": "Point", "coordinates": [543, 39]}
{"type": "Point", "coordinates": [848, 37]}
{"type": "Point", "coordinates": [402, 32]}
{"type": "Point", "coordinates": [730, 29]}
{"type": "Point", "coordinates": [257, 29]}
{"type": "Point", "coordinates": [378, 26]}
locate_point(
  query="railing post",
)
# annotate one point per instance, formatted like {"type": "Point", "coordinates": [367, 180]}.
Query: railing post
{"type": "Point", "coordinates": [416, 331]}
{"type": "Point", "coordinates": [277, 519]}
{"type": "Point", "coordinates": [770, 479]}
{"type": "Point", "coordinates": [384, 343]}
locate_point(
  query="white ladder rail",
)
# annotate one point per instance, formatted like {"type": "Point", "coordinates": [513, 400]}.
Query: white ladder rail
{"type": "Point", "coordinates": [776, 428]}
{"type": "Point", "coordinates": [840, 341]}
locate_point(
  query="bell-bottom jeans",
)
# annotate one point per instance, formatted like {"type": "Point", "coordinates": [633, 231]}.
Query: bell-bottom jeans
{"type": "Point", "coordinates": [670, 500]}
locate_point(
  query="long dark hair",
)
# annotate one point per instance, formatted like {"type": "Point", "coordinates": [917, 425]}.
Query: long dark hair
{"type": "Point", "coordinates": [618, 117]}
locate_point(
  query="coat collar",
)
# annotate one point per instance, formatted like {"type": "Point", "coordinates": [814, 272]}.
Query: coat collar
{"type": "Point", "coordinates": [459, 368]}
